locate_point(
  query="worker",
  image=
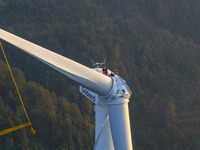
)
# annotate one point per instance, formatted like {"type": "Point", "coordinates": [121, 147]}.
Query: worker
{"type": "Point", "coordinates": [107, 72]}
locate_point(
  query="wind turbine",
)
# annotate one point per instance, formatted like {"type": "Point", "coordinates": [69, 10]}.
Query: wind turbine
{"type": "Point", "coordinates": [110, 94]}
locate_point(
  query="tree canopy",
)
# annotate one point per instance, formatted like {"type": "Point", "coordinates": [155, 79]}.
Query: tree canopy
{"type": "Point", "coordinates": [153, 43]}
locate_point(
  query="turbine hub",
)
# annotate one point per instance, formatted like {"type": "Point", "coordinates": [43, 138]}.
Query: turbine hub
{"type": "Point", "coordinates": [120, 92]}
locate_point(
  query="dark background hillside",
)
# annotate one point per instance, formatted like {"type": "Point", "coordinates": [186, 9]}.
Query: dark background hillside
{"type": "Point", "coordinates": [153, 43]}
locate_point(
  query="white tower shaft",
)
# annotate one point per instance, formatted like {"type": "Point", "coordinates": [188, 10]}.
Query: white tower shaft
{"type": "Point", "coordinates": [120, 126]}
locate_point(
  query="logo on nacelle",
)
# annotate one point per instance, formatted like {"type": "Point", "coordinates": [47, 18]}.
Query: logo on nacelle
{"type": "Point", "coordinates": [89, 94]}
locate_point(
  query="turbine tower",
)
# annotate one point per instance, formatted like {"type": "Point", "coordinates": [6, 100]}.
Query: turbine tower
{"type": "Point", "coordinates": [109, 93]}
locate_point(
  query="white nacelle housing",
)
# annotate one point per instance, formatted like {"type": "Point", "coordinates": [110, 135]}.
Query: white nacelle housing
{"type": "Point", "coordinates": [119, 93]}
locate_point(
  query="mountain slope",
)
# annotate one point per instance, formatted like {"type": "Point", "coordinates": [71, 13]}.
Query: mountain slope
{"type": "Point", "coordinates": [154, 44]}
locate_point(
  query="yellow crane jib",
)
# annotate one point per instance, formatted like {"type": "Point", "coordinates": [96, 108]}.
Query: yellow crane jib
{"type": "Point", "coordinates": [32, 132]}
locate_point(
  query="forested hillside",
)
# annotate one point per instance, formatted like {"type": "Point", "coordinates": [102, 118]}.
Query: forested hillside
{"type": "Point", "coordinates": [153, 43]}
{"type": "Point", "coordinates": [58, 123]}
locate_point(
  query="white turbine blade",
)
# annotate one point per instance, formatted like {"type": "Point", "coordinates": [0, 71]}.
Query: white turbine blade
{"type": "Point", "coordinates": [120, 126]}
{"type": "Point", "coordinates": [87, 77]}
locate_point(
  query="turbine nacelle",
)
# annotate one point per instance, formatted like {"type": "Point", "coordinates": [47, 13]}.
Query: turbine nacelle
{"type": "Point", "coordinates": [119, 93]}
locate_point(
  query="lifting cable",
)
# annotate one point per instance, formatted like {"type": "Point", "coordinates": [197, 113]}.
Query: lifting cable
{"type": "Point", "coordinates": [32, 132]}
